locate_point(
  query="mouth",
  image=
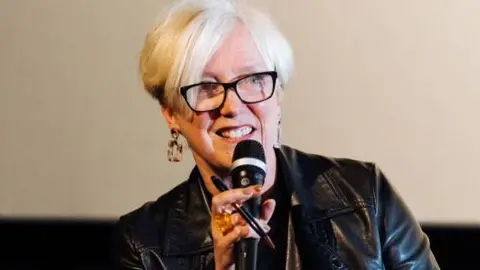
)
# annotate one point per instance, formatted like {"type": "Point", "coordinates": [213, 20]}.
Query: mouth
{"type": "Point", "coordinates": [235, 133]}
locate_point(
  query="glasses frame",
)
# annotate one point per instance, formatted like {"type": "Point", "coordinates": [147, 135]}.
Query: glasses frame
{"type": "Point", "coordinates": [228, 86]}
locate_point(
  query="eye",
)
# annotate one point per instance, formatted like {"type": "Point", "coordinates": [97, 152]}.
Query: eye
{"type": "Point", "coordinates": [208, 87]}
{"type": "Point", "coordinates": [208, 90]}
{"type": "Point", "coordinates": [257, 80]}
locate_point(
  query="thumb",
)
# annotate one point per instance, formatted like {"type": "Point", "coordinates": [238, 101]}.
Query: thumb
{"type": "Point", "coordinates": [268, 208]}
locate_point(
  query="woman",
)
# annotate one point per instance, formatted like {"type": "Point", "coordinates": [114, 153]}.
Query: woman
{"type": "Point", "coordinates": [219, 70]}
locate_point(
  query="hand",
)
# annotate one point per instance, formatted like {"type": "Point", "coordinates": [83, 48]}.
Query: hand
{"type": "Point", "coordinates": [223, 241]}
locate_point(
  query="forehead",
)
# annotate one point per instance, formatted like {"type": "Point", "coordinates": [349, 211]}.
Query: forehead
{"type": "Point", "coordinates": [237, 55]}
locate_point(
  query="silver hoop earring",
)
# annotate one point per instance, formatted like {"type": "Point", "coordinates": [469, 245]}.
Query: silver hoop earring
{"type": "Point", "coordinates": [175, 148]}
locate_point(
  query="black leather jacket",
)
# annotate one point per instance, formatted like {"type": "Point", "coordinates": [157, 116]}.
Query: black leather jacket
{"type": "Point", "coordinates": [345, 215]}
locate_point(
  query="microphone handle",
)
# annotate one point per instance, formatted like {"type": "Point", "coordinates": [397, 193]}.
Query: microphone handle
{"type": "Point", "coordinates": [246, 254]}
{"type": "Point", "coordinates": [245, 250]}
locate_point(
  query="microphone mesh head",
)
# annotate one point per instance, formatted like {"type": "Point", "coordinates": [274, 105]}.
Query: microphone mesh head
{"type": "Point", "coordinates": [249, 149]}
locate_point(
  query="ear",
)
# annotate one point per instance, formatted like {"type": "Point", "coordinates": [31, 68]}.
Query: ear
{"type": "Point", "coordinates": [170, 118]}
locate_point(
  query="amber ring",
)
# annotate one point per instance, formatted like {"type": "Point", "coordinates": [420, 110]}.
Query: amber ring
{"type": "Point", "coordinates": [223, 221]}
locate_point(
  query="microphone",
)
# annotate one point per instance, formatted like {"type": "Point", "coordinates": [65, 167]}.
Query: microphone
{"type": "Point", "coordinates": [248, 168]}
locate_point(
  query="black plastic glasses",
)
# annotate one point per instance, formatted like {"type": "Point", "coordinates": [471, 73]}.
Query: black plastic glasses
{"type": "Point", "coordinates": [209, 96]}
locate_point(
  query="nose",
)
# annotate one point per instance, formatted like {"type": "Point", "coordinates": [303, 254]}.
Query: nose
{"type": "Point", "coordinates": [232, 105]}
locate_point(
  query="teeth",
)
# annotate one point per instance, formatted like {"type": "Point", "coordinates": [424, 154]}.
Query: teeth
{"type": "Point", "coordinates": [237, 133]}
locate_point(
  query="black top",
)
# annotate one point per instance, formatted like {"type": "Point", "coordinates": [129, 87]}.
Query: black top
{"type": "Point", "coordinates": [268, 258]}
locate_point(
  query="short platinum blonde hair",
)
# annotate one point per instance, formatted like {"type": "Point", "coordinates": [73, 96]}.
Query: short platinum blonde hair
{"type": "Point", "coordinates": [177, 49]}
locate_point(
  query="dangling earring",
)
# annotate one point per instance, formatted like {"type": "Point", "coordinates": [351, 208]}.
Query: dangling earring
{"type": "Point", "coordinates": [175, 148]}
{"type": "Point", "coordinates": [279, 131]}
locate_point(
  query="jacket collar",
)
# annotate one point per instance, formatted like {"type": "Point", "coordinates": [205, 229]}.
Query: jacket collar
{"type": "Point", "coordinates": [310, 178]}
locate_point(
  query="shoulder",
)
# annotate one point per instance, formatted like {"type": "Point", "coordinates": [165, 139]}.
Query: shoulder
{"type": "Point", "coordinates": [351, 180]}
{"type": "Point", "coordinates": [355, 169]}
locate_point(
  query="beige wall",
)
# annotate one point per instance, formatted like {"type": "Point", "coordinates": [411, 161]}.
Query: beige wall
{"type": "Point", "coordinates": [396, 82]}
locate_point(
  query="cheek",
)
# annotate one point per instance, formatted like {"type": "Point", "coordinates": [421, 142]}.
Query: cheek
{"type": "Point", "coordinates": [202, 122]}
{"type": "Point", "coordinates": [196, 130]}
{"type": "Point", "coordinates": [268, 118]}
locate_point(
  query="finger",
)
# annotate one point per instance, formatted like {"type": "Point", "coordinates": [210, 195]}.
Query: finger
{"type": "Point", "coordinates": [268, 207]}
{"type": "Point", "coordinates": [221, 200]}
{"type": "Point", "coordinates": [216, 233]}
{"type": "Point", "coordinates": [237, 219]}
{"type": "Point", "coordinates": [233, 236]}
{"type": "Point", "coordinates": [263, 225]}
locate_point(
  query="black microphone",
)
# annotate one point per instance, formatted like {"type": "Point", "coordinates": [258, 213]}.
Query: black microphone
{"type": "Point", "coordinates": [248, 168]}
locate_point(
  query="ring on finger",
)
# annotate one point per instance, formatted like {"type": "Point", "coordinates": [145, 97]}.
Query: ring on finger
{"type": "Point", "coordinates": [223, 221]}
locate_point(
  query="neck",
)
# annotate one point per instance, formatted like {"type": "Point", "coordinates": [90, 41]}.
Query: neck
{"type": "Point", "coordinates": [207, 172]}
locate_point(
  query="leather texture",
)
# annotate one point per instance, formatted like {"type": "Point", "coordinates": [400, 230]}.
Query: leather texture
{"type": "Point", "coordinates": [345, 215]}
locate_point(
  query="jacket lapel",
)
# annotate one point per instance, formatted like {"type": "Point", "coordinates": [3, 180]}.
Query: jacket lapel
{"type": "Point", "coordinates": [315, 198]}
{"type": "Point", "coordinates": [188, 223]}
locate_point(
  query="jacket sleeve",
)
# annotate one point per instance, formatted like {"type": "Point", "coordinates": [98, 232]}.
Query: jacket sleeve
{"type": "Point", "coordinates": [124, 255]}
{"type": "Point", "coordinates": [404, 244]}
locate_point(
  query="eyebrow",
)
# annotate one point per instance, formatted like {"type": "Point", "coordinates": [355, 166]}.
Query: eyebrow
{"type": "Point", "coordinates": [242, 71]}
{"type": "Point", "coordinates": [251, 68]}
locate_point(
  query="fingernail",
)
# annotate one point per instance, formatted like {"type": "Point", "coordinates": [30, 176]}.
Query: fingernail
{"type": "Point", "coordinates": [258, 188]}
{"type": "Point", "coordinates": [266, 228]}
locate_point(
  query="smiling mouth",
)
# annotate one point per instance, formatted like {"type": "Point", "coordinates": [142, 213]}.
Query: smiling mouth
{"type": "Point", "coordinates": [235, 133]}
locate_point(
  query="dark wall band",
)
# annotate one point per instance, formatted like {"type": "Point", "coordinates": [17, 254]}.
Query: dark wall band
{"type": "Point", "coordinates": [84, 244]}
